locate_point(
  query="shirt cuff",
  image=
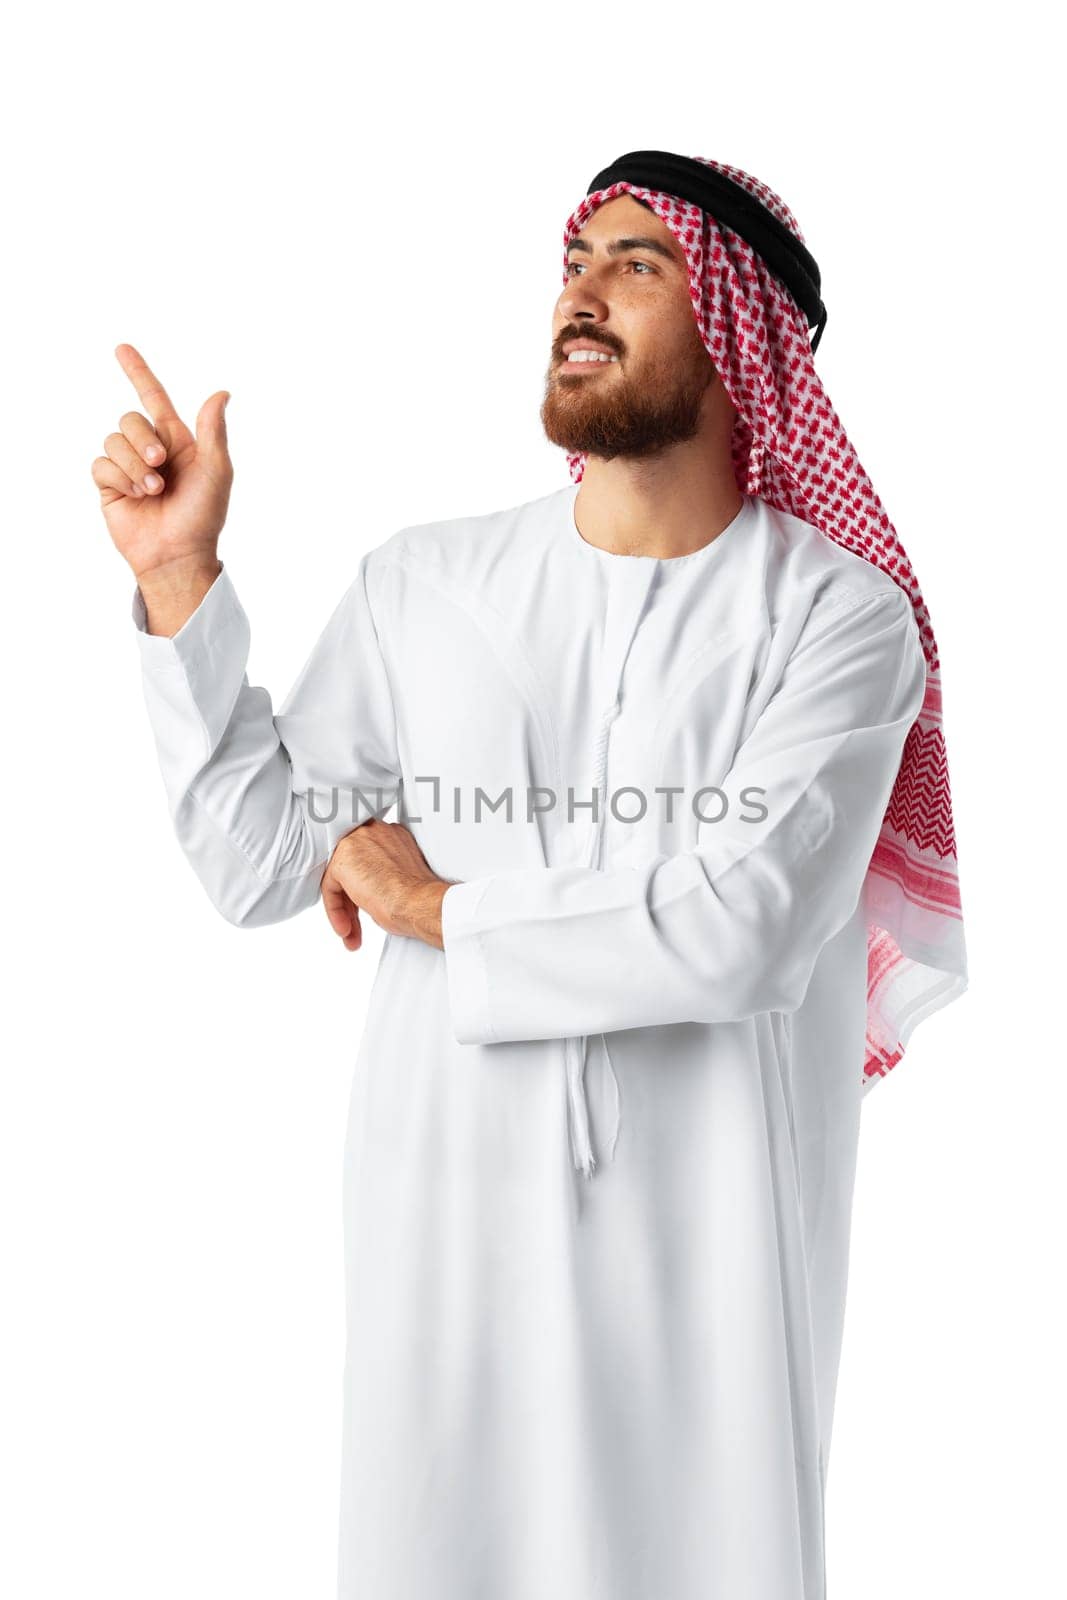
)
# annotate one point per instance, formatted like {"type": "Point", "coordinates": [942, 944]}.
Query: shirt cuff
{"type": "Point", "coordinates": [215, 603]}
{"type": "Point", "coordinates": [209, 652]}
{"type": "Point", "coordinates": [465, 962]}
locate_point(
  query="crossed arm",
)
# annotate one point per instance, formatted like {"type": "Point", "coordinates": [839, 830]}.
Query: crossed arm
{"type": "Point", "coordinates": [729, 928]}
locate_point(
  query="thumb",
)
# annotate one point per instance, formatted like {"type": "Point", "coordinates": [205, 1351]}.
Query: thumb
{"type": "Point", "coordinates": [211, 423]}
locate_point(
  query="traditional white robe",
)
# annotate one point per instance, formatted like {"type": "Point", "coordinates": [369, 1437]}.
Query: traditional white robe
{"type": "Point", "coordinates": [560, 1386]}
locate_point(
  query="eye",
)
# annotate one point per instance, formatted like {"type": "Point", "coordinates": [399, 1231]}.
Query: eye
{"type": "Point", "coordinates": [574, 266]}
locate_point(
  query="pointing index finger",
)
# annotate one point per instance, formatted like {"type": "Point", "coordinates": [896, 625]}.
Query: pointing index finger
{"type": "Point", "coordinates": [153, 396]}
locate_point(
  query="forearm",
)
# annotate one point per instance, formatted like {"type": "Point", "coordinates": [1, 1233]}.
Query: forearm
{"type": "Point", "coordinates": [259, 799]}
{"type": "Point", "coordinates": [543, 953]}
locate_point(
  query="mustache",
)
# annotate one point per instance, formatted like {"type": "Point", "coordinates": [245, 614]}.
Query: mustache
{"type": "Point", "coordinates": [602, 342]}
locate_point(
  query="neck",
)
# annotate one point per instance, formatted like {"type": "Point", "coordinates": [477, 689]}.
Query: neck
{"type": "Point", "coordinates": [670, 504]}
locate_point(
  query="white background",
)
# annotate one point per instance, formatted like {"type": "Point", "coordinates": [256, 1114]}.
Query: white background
{"type": "Point", "coordinates": [355, 227]}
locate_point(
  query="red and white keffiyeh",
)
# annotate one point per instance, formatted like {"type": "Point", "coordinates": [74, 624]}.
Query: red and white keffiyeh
{"type": "Point", "coordinates": [790, 448]}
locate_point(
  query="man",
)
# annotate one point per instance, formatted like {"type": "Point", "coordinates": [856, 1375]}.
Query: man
{"type": "Point", "coordinates": [676, 879]}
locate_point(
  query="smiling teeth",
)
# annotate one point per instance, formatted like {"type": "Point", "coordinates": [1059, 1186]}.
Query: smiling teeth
{"type": "Point", "coordinates": [589, 355]}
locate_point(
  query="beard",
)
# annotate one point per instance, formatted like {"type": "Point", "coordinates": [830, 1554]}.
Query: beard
{"type": "Point", "coordinates": [627, 413]}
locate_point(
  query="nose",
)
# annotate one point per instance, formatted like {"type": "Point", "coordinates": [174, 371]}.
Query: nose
{"type": "Point", "coordinates": [579, 303]}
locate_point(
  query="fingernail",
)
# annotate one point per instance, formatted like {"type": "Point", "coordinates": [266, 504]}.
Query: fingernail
{"type": "Point", "coordinates": [152, 480]}
{"type": "Point", "coordinates": [154, 451]}
{"type": "Point", "coordinates": [136, 489]}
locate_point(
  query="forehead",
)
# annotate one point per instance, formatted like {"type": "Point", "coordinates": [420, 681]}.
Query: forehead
{"type": "Point", "coordinates": [626, 215]}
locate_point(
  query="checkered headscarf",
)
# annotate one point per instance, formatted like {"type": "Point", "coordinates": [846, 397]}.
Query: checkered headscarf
{"type": "Point", "coordinates": [790, 448]}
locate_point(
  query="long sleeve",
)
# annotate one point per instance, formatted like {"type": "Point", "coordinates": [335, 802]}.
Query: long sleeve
{"type": "Point", "coordinates": [733, 927]}
{"type": "Point", "coordinates": [259, 800]}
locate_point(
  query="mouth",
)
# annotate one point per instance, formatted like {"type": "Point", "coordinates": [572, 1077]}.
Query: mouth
{"type": "Point", "coordinates": [587, 361]}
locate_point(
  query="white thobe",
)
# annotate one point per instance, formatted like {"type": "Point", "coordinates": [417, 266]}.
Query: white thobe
{"type": "Point", "coordinates": [564, 1382]}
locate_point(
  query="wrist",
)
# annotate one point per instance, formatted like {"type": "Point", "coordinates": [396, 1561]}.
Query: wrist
{"type": "Point", "coordinates": [179, 572]}
{"type": "Point", "coordinates": [173, 590]}
{"type": "Point", "coordinates": [427, 911]}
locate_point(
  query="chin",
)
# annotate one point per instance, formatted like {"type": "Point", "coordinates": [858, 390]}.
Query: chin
{"type": "Point", "coordinates": [564, 412]}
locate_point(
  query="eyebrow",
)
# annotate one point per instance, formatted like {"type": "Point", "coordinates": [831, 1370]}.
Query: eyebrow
{"type": "Point", "coordinates": [617, 246]}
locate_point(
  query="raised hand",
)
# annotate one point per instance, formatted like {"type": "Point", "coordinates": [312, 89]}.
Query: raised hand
{"type": "Point", "coordinates": [164, 492]}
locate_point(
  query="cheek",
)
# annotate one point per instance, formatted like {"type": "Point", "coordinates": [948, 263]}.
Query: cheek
{"type": "Point", "coordinates": [648, 322]}
{"type": "Point", "coordinates": [680, 343]}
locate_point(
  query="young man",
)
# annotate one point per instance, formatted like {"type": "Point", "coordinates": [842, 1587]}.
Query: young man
{"type": "Point", "coordinates": [676, 879]}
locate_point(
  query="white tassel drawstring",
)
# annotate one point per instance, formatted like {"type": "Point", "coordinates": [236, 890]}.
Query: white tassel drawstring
{"type": "Point", "coordinates": [581, 1142]}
